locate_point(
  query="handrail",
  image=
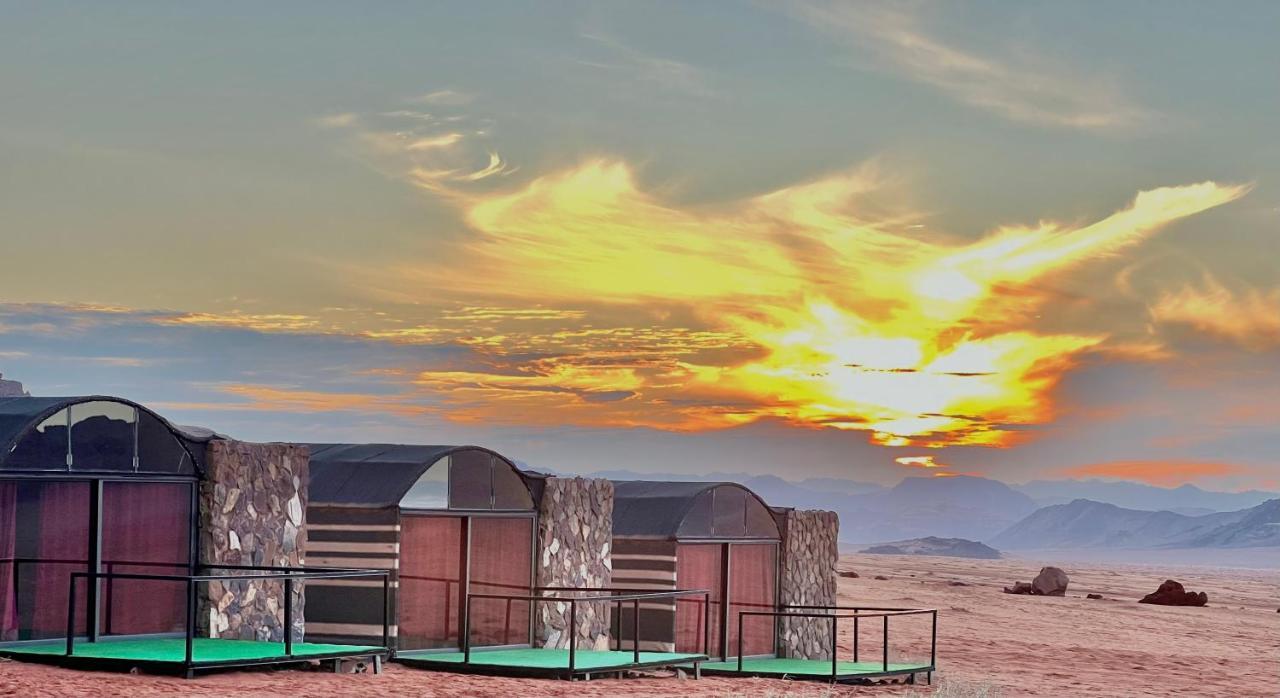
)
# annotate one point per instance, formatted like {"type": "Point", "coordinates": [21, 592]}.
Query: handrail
{"type": "Point", "coordinates": [885, 613]}
{"type": "Point", "coordinates": [572, 627]}
{"type": "Point", "coordinates": [257, 572]}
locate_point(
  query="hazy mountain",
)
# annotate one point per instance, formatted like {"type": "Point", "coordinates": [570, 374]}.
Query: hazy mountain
{"type": "Point", "coordinates": [932, 545]}
{"type": "Point", "coordinates": [1088, 524]}
{"type": "Point", "coordinates": [1187, 499]}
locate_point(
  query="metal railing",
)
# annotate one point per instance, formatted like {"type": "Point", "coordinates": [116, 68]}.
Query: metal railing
{"type": "Point", "coordinates": [836, 613]}
{"type": "Point", "coordinates": [613, 595]}
{"type": "Point", "coordinates": [290, 575]}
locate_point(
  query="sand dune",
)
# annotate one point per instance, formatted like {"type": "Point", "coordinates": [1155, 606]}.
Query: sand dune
{"type": "Point", "coordinates": [1014, 645]}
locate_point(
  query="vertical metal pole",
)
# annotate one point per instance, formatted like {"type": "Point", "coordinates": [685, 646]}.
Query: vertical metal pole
{"type": "Point", "coordinates": [95, 560]}
{"type": "Point", "coordinates": [111, 595]}
{"type": "Point", "coordinates": [739, 643]}
{"type": "Point", "coordinates": [635, 629]}
{"type": "Point", "coordinates": [465, 583]}
{"type": "Point", "coordinates": [71, 615]}
{"type": "Point", "coordinates": [466, 631]}
{"type": "Point", "coordinates": [933, 644]}
{"type": "Point", "coordinates": [855, 635]}
{"type": "Point", "coordinates": [573, 633]}
{"type": "Point", "coordinates": [706, 623]}
{"type": "Point", "coordinates": [886, 643]}
{"type": "Point", "coordinates": [835, 647]}
{"type": "Point", "coordinates": [386, 610]}
{"type": "Point", "coordinates": [724, 603]}
{"type": "Point", "coordinates": [191, 622]}
{"type": "Point", "coordinates": [617, 617]}
{"type": "Point", "coordinates": [288, 616]}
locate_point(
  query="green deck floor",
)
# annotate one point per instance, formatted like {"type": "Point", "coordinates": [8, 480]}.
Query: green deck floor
{"type": "Point", "coordinates": [526, 658]}
{"type": "Point", "coordinates": [174, 649]}
{"type": "Point", "coordinates": [807, 667]}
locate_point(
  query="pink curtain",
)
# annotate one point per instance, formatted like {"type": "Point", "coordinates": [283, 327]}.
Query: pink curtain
{"type": "Point", "coordinates": [63, 548]}
{"type": "Point", "coordinates": [8, 543]}
{"type": "Point", "coordinates": [144, 523]}
{"type": "Point", "coordinates": [501, 564]}
{"type": "Point", "coordinates": [430, 592]}
{"type": "Point", "coordinates": [699, 566]}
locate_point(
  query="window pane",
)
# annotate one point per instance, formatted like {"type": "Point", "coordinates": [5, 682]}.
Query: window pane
{"type": "Point", "coordinates": [44, 448]}
{"type": "Point", "coordinates": [509, 490]}
{"type": "Point", "coordinates": [729, 512]}
{"type": "Point", "coordinates": [431, 491]}
{"type": "Point", "coordinates": [159, 451]}
{"type": "Point", "coordinates": [49, 522]}
{"type": "Point", "coordinates": [471, 479]}
{"type": "Point", "coordinates": [430, 591]}
{"type": "Point", "coordinates": [501, 564]}
{"type": "Point", "coordinates": [102, 436]}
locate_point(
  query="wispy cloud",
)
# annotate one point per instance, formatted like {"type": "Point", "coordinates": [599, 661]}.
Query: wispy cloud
{"type": "Point", "coordinates": [1017, 87]}
{"type": "Point", "coordinates": [1249, 318]}
{"type": "Point", "coordinates": [666, 73]}
{"type": "Point", "coordinates": [445, 98]}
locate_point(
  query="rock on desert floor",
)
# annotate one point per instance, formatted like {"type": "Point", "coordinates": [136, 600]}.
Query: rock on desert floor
{"type": "Point", "coordinates": [990, 643]}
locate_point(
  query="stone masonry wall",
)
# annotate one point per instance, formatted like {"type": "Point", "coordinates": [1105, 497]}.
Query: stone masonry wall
{"type": "Point", "coordinates": [252, 512]}
{"type": "Point", "coordinates": [809, 555]}
{"type": "Point", "coordinates": [575, 534]}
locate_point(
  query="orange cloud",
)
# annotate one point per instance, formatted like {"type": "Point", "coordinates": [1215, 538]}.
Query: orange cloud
{"type": "Point", "coordinates": [854, 322]}
{"type": "Point", "coordinates": [919, 462]}
{"type": "Point", "coordinates": [275, 399]}
{"type": "Point", "coordinates": [1250, 319]}
{"type": "Point", "coordinates": [1154, 472]}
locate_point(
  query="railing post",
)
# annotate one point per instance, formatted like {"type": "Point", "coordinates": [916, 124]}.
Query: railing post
{"type": "Point", "coordinates": [189, 652]}
{"type": "Point", "coordinates": [740, 615]}
{"type": "Point", "coordinates": [466, 632]}
{"type": "Point", "coordinates": [386, 610]}
{"type": "Point", "coordinates": [288, 616]}
{"type": "Point", "coordinates": [886, 643]}
{"type": "Point", "coordinates": [707, 623]}
{"type": "Point", "coordinates": [573, 633]}
{"type": "Point", "coordinates": [617, 616]}
{"type": "Point", "coordinates": [71, 615]}
{"type": "Point", "coordinates": [933, 643]}
{"type": "Point", "coordinates": [855, 635]}
{"type": "Point", "coordinates": [635, 629]}
{"type": "Point", "coordinates": [835, 639]}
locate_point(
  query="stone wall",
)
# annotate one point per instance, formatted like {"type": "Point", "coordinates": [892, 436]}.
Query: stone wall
{"type": "Point", "coordinates": [808, 577]}
{"type": "Point", "coordinates": [252, 512]}
{"type": "Point", "coordinates": [575, 532]}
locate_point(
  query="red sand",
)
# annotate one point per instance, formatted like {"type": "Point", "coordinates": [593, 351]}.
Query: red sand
{"type": "Point", "coordinates": [1009, 645]}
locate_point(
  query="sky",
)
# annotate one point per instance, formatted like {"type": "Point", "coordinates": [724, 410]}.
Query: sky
{"type": "Point", "coordinates": [1021, 240]}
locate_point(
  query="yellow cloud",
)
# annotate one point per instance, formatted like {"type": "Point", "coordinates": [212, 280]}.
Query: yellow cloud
{"type": "Point", "coordinates": [853, 321]}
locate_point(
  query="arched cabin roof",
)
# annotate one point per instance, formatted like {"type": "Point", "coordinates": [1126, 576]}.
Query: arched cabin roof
{"type": "Point", "coordinates": [380, 475]}
{"type": "Point", "coordinates": [690, 511]}
{"type": "Point", "coordinates": [21, 416]}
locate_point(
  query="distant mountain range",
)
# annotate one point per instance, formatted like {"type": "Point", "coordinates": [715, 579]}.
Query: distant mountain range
{"type": "Point", "coordinates": [1088, 524]}
{"type": "Point", "coordinates": [949, 547]}
{"type": "Point", "coordinates": [1187, 499]}
{"type": "Point", "coordinates": [982, 509]}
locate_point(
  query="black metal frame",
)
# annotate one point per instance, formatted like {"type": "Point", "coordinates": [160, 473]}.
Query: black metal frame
{"type": "Point", "coordinates": [833, 612]}
{"type": "Point", "coordinates": [612, 595]}
{"type": "Point", "coordinates": [189, 665]}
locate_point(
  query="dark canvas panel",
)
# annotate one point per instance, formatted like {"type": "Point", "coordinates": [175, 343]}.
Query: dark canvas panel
{"type": "Point", "coordinates": [752, 587]}
{"type": "Point", "coordinates": [145, 530]}
{"type": "Point", "coordinates": [430, 581]}
{"type": "Point", "coordinates": [501, 563]}
{"type": "Point", "coordinates": [470, 479]}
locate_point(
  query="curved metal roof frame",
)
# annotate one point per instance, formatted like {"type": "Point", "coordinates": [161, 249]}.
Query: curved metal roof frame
{"type": "Point", "coordinates": [378, 475]}
{"type": "Point", "coordinates": [20, 415]}
{"type": "Point", "coordinates": [657, 509]}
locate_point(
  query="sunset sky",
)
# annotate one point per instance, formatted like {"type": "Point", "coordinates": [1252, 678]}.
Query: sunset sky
{"type": "Point", "coordinates": [1022, 240]}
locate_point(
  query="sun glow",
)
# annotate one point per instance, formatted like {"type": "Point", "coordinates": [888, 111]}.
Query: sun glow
{"type": "Point", "coordinates": [839, 318]}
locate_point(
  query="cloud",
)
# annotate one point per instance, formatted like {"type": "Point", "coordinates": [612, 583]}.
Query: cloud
{"type": "Point", "coordinates": [919, 462]}
{"type": "Point", "coordinates": [663, 72]}
{"type": "Point", "coordinates": [1250, 318]}
{"type": "Point", "coordinates": [1010, 87]}
{"type": "Point", "coordinates": [1163, 473]}
{"type": "Point", "coordinates": [445, 98]}
{"type": "Point", "coordinates": [825, 316]}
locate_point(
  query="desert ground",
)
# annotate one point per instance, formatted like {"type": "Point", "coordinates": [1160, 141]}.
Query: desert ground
{"type": "Point", "coordinates": [989, 643]}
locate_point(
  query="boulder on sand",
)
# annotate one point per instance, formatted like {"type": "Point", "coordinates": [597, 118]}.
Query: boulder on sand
{"type": "Point", "coordinates": [1050, 582]}
{"type": "Point", "coordinates": [1172, 593]}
